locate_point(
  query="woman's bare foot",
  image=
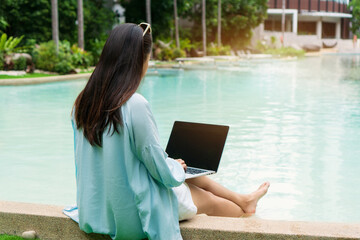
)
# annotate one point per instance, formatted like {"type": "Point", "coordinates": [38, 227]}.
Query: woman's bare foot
{"type": "Point", "coordinates": [249, 202]}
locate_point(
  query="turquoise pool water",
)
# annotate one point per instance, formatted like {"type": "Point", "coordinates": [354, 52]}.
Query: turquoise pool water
{"type": "Point", "coordinates": [293, 123]}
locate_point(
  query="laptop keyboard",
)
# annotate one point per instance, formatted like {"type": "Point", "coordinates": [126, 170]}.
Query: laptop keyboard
{"type": "Point", "coordinates": [194, 171]}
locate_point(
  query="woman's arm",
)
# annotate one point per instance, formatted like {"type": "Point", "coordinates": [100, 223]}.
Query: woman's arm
{"type": "Point", "coordinates": [147, 147]}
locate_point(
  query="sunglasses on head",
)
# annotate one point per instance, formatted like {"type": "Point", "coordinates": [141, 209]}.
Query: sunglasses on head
{"type": "Point", "coordinates": [146, 27]}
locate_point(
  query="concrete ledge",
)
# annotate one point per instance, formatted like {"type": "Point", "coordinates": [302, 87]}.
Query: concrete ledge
{"type": "Point", "coordinates": [205, 227]}
{"type": "Point", "coordinates": [49, 223]}
{"type": "Point", "coordinates": [27, 81]}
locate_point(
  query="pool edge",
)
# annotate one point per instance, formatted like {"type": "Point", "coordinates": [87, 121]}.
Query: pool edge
{"type": "Point", "coordinates": [39, 80]}
{"type": "Point", "coordinates": [49, 223]}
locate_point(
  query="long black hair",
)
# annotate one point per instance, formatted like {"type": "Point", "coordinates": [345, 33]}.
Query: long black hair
{"type": "Point", "coordinates": [115, 79]}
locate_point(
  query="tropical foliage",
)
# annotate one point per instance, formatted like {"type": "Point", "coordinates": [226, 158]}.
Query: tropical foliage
{"type": "Point", "coordinates": [9, 45]}
{"type": "Point", "coordinates": [65, 61]}
{"type": "Point", "coordinates": [238, 18]}
{"type": "Point", "coordinates": [168, 54]}
{"type": "Point", "coordinates": [35, 21]}
{"type": "Point", "coordinates": [355, 20]}
{"type": "Point", "coordinates": [80, 58]}
{"type": "Point", "coordinates": [28, 22]}
{"type": "Point", "coordinates": [136, 12]}
{"type": "Point", "coordinates": [214, 50]}
{"type": "Point", "coordinates": [1, 61]}
{"type": "Point", "coordinates": [46, 58]}
{"type": "Point", "coordinates": [271, 49]}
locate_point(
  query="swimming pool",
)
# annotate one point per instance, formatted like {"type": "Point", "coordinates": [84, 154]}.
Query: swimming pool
{"type": "Point", "coordinates": [293, 123]}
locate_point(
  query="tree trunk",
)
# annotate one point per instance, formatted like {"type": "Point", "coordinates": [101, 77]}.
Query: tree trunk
{"type": "Point", "coordinates": [204, 26]}
{"type": "Point", "coordinates": [176, 26]}
{"type": "Point", "coordinates": [55, 23]}
{"type": "Point", "coordinates": [219, 23]}
{"type": "Point", "coordinates": [148, 11]}
{"type": "Point", "coordinates": [80, 16]}
{"type": "Point", "coordinates": [283, 22]}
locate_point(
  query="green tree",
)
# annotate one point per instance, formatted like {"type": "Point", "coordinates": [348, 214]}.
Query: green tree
{"type": "Point", "coordinates": [98, 21]}
{"type": "Point", "coordinates": [238, 18]}
{"type": "Point", "coordinates": [355, 20]}
{"type": "Point", "coordinates": [32, 18]}
{"type": "Point", "coordinates": [163, 11]}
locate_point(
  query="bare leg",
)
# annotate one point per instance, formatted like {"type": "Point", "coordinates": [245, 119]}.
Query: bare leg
{"type": "Point", "coordinates": [247, 202]}
{"type": "Point", "coordinates": [212, 205]}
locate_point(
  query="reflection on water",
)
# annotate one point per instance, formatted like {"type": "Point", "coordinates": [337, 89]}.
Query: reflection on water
{"type": "Point", "coordinates": [293, 123]}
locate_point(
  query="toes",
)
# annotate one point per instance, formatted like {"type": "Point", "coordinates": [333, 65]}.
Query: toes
{"type": "Point", "coordinates": [264, 185]}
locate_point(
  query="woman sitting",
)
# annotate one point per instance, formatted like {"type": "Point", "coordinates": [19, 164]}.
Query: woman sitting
{"type": "Point", "coordinates": [127, 186]}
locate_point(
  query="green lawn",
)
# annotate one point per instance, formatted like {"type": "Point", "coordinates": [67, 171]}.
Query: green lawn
{"type": "Point", "coordinates": [8, 237]}
{"type": "Point", "coordinates": [28, 75]}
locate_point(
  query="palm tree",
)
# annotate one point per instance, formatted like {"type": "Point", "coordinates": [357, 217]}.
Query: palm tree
{"type": "Point", "coordinates": [55, 23]}
{"type": "Point", "coordinates": [80, 15]}
{"type": "Point", "coordinates": [204, 26]}
{"type": "Point", "coordinates": [219, 23]}
{"type": "Point", "coordinates": [148, 11]}
{"type": "Point", "coordinates": [148, 18]}
{"type": "Point", "coordinates": [176, 26]}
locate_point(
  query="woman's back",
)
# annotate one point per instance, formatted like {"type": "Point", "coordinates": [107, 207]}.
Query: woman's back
{"type": "Point", "coordinates": [116, 188]}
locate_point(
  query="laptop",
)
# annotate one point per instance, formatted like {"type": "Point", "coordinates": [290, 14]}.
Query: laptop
{"type": "Point", "coordinates": [199, 145]}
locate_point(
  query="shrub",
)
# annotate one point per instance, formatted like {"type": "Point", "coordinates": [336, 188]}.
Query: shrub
{"type": "Point", "coordinates": [178, 53]}
{"type": "Point", "coordinates": [168, 54]}
{"type": "Point", "coordinates": [95, 47]}
{"type": "Point", "coordinates": [1, 61]}
{"type": "Point", "coordinates": [165, 54]}
{"type": "Point", "coordinates": [46, 58]}
{"type": "Point", "coordinates": [261, 46]}
{"type": "Point", "coordinates": [20, 64]}
{"type": "Point", "coordinates": [30, 45]}
{"type": "Point", "coordinates": [186, 44]}
{"type": "Point", "coordinates": [9, 45]}
{"type": "Point", "coordinates": [215, 50]}
{"type": "Point", "coordinates": [285, 52]}
{"type": "Point", "coordinates": [63, 64]}
{"type": "Point", "coordinates": [80, 58]}
{"type": "Point", "coordinates": [273, 40]}
{"type": "Point", "coordinates": [63, 67]}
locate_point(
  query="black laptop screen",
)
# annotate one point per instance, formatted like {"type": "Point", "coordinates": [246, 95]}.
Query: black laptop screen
{"type": "Point", "coordinates": [199, 145]}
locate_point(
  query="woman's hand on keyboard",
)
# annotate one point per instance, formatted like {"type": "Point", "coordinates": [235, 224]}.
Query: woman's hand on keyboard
{"type": "Point", "coordinates": [182, 162]}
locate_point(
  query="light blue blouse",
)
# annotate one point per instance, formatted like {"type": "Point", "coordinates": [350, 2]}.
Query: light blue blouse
{"type": "Point", "coordinates": [124, 189]}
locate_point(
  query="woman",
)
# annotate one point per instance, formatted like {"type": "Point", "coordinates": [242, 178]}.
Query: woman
{"type": "Point", "coordinates": [127, 186]}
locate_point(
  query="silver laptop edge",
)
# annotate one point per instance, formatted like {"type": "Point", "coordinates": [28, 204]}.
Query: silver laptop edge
{"type": "Point", "coordinates": [207, 172]}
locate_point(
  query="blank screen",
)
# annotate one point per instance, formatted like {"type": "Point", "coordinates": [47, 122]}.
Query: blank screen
{"type": "Point", "coordinates": [199, 145]}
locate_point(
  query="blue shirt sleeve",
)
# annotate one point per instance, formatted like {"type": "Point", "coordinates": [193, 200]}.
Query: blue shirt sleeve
{"type": "Point", "coordinates": [147, 147]}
